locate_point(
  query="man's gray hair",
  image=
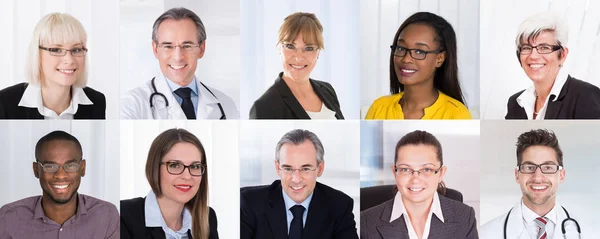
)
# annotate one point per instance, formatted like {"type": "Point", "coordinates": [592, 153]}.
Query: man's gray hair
{"type": "Point", "coordinates": [180, 14]}
{"type": "Point", "coordinates": [298, 136]}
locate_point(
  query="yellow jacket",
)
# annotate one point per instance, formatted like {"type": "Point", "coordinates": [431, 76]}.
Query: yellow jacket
{"type": "Point", "coordinates": [445, 107]}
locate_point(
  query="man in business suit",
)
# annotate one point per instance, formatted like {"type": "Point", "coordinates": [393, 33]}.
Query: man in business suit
{"type": "Point", "coordinates": [297, 206]}
{"type": "Point", "coordinates": [542, 50]}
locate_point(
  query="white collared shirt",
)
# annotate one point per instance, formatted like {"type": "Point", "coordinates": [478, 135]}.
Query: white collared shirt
{"type": "Point", "coordinates": [32, 98]}
{"type": "Point", "coordinates": [527, 99]}
{"type": "Point", "coordinates": [398, 210]}
{"type": "Point", "coordinates": [529, 217]}
{"type": "Point", "coordinates": [325, 113]}
{"type": "Point", "coordinates": [153, 218]}
{"type": "Point", "coordinates": [289, 203]}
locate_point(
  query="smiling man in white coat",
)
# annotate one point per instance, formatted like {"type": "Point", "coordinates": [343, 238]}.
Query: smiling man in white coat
{"type": "Point", "coordinates": [178, 42]}
{"type": "Point", "coordinates": [539, 171]}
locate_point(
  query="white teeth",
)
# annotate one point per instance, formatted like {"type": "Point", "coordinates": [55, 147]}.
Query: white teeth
{"type": "Point", "coordinates": [536, 66]}
{"type": "Point", "coordinates": [298, 67]}
{"type": "Point", "coordinates": [297, 188]}
{"type": "Point", "coordinates": [177, 67]}
{"type": "Point", "coordinates": [539, 187]}
{"type": "Point", "coordinates": [186, 187]}
{"type": "Point", "coordinates": [408, 71]}
{"type": "Point", "coordinates": [67, 71]}
{"type": "Point", "coordinates": [60, 186]}
{"type": "Point", "coordinates": [416, 189]}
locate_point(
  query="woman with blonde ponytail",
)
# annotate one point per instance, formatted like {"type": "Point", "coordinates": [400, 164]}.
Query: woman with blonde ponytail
{"type": "Point", "coordinates": [177, 207]}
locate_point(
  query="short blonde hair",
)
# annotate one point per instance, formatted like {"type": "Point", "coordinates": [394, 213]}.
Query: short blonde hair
{"type": "Point", "coordinates": [54, 28]}
{"type": "Point", "coordinates": [303, 23]}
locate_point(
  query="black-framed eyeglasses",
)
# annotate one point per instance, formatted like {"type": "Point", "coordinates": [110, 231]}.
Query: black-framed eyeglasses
{"type": "Point", "coordinates": [529, 168]}
{"type": "Point", "coordinates": [541, 49]}
{"type": "Point", "coordinates": [71, 167]}
{"type": "Point", "coordinates": [57, 51]}
{"type": "Point", "coordinates": [177, 168]}
{"type": "Point", "coordinates": [427, 171]}
{"type": "Point", "coordinates": [416, 54]}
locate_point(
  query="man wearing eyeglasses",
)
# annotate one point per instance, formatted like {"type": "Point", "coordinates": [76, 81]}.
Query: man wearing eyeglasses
{"type": "Point", "coordinates": [178, 42]}
{"type": "Point", "coordinates": [542, 50]}
{"type": "Point", "coordinates": [297, 206]}
{"type": "Point", "coordinates": [60, 212]}
{"type": "Point", "coordinates": [539, 171]}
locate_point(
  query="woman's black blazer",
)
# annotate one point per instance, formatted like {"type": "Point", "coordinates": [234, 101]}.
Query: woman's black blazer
{"type": "Point", "coordinates": [133, 222]}
{"type": "Point", "coordinates": [11, 96]}
{"type": "Point", "coordinates": [278, 102]}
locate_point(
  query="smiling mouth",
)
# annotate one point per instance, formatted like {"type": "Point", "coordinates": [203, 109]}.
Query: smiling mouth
{"type": "Point", "coordinates": [177, 67]}
{"type": "Point", "coordinates": [538, 188]}
{"type": "Point", "coordinates": [60, 187]}
{"type": "Point", "coordinates": [183, 187]}
{"type": "Point", "coordinates": [416, 189]}
{"type": "Point", "coordinates": [66, 71]}
{"type": "Point", "coordinates": [297, 188]}
{"type": "Point", "coordinates": [536, 66]}
{"type": "Point", "coordinates": [298, 66]}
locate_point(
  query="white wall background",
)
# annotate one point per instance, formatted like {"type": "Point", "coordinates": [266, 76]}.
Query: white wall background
{"type": "Point", "coordinates": [220, 141]}
{"type": "Point", "coordinates": [379, 21]}
{"type": "Point", "coordinates": [501, 74]}
{"type": "Point", "coordinates": [220, 66]}
{"type": "Point", "coordinates": [340, 139]}
{"type": "Point", "coordinates": [338, 64]}
{"type": "Point", "coordinates": [100, 20]}
{"type": "Point", "coordinates": [100, 145]}
{"type": "Point", "coordinates": [460, 147]}
{"type": "Point", "coordinates": [578, 194]}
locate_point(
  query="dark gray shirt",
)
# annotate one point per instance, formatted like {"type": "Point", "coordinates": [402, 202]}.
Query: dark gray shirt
{"type": "Point", "coordinates": [93, 219]}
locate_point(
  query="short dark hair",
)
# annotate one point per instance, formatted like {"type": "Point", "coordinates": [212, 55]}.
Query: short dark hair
{"type": "Point", "coordinates": [420, 137]}
{"type": "Point", "coordinates": [56, 135]}
{"type": "Point", "coordinates": [179, 14]}
{"type": "Point", "coordinates": [538, 137]}
{"type": "Point", "coordinates": [446, 76]}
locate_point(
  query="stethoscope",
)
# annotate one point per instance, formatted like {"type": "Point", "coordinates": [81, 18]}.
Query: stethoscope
{"type": "Point", "coordinates": [562, 224]}
{"type": "Point", "coordinates": [156, 93]}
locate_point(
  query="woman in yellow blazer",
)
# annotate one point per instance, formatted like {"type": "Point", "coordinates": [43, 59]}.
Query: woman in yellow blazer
{"type": "Point", "coordinates": [423, 73]}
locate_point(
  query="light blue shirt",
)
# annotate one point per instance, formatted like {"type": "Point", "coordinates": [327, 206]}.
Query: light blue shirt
{"type": "Point", "coordinates": [192, 85]}
{"type": "Point", "coordinates": [289, 203]}
{"type": "Point", "coordinates": [154, 219]}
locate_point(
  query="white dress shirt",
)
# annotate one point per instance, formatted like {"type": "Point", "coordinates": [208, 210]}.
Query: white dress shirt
{"type": "Point", "coordinates": [325, 113]}
{"type": "Point", "coordinates": [398, 210]}
{"type": "Point", "coordinates": [529, 217]}
{"type": "Point", "coordinates": [153, 218]}
{"type": "Point", "coordinates": [527, 99]}
{"type": "Point", "coordinates": [32, 98]}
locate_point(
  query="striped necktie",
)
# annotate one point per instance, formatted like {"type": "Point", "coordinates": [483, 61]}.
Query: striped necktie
{"type": "Point", "coordinates": [541, 222]}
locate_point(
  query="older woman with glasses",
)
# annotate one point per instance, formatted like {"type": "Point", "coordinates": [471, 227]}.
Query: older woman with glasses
{"type": "Point", "coordinates": [57, 76]}
{"type": "Point", "coordinates": [294, 95]}
{"type": "Point", "coordinates": [542, 50]}
{"type": "Point", "coordinates": [419, 209]}
{"type": "Point", "coordinates": [423, 73]}
{"type": "Point", "coordinates": [177, 206]}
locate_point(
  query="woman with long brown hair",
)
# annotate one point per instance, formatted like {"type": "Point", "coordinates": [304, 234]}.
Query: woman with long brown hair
{"type": "Point", "coordinates": [177, 206]}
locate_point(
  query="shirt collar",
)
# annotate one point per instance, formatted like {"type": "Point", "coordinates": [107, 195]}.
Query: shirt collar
{"type": "Point", "coordinates": [153, 216]}
{"type": "Point", "coordinates": [192, 85]}
{"type": "Point", "coordinates": [528, 96]}
{"type": "Point", "coordinates": [289, 203]}
{"type": "Point", "coordinates": [81, 209]}
{"type": "Point", "coordinates": [529, 216]}
{"type": "Point", "coordinates": [398, 208]}
{"type": "Point", "coordinates": [32, 98]}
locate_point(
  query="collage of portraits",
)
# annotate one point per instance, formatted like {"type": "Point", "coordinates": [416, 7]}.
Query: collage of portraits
{"type": "Point", "coordinates": [299, 119]}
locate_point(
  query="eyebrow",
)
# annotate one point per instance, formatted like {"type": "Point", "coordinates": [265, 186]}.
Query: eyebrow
{"type": "Point", "coordinates": [545, 162]}
{"type": "Point", "coordinates": [50, 161]}
{"type": "Point", "coordinates": [179, 161]}
{"type": "Point", "coordinates": [185, 42]}
{"type": "Point", "coordinates": [403, 164]}
{"type": "Point", "coordinates": [290, 166]}
{"type": "Point", "coordinates": [417, 43]}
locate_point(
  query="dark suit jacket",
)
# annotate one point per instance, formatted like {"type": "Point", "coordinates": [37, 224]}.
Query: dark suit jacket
{"type": "Point", "coordinates": [459, 222]}
{"type": "Point", "coordinates": [263, 214]}
{"type": "Point", "coordinates": [10, 109]}
{"type": "Point", "coordinates": [577, 100]}
{"type": "Point", "coordinates": [133, 222]}
{"type": "Point", "coordinates": [278, 102]}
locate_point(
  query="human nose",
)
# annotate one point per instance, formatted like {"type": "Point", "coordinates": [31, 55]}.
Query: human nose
{"type": "Point", "coordinates": [296, 176]}
{"type": "Point", "coordinates": [61, 173]}
{"type": "Point", "coordinates": [407, 58]}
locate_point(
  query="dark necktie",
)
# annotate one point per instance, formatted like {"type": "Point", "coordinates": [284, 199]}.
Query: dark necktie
{"type": "Point", "coordinates": [188, 107]}
{"type": "Point", "coordinates": [296, 226]}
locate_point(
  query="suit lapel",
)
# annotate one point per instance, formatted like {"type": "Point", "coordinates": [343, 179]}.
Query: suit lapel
{"type": "Point", "coordinates": [554, 107]}
{"type": "Point", "coordinates": [157, 233]}
{"type": "Point", "coordinates": [451, 224]}
{"type": "Point", "coordinates": [31, 113]}
{"type": "Point", "coordinates": [395, 229]}
{"type": "Point", "coordinates": [276, 214]}
{"type": "Point", "coordinates": [326, 99]}
{"type": "Point", "coordinates": [318, 215]}
{"type": "Point", "coordinates": [290, 101]}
